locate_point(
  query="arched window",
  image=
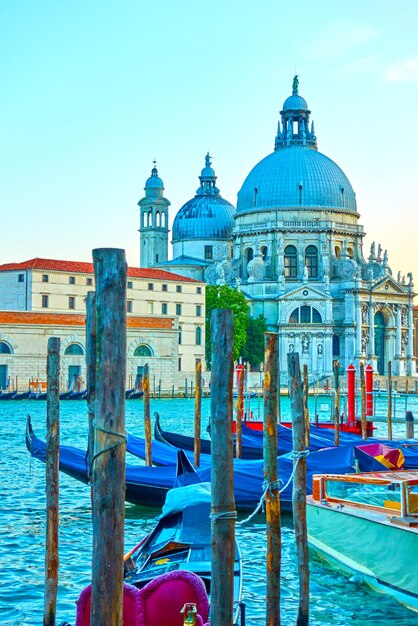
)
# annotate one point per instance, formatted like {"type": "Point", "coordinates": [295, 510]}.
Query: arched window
{"type": "Point", "coordinates": [249, 254]}
{"type": "Point", "coordinates": [163, 216]}
{"type": "Point", "coordinates": [290, 262]}
{"type": "Point", "coordinates": [337, 251]}
{"type": "Point", "coordinates": [74, 349]}
{"type": "Point", "coordinates": [157, 219]}
{"type": "Point", "coordinates": [5, 348]}
{"type": "Point", "coordinates": [311, 261]}
{"type": "Point", "coordinates": [305, 315]}
{"type": "Point", "coordinates": [198, 336]}
{"type": "Point", "coordinates": [264, 252]}
{"type": "Point", "coordinates": [149, 218]}
{"type": "Point", "coordinates": [180, 335]}
{"type": "Point", "coordinates": [143, 350]}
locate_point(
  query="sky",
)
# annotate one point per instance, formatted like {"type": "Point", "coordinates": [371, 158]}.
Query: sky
{"type": "Point", "coordinates": [93, 91]}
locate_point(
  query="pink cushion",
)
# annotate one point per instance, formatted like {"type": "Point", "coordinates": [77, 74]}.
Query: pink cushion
{"type": "Point", "coordinates": [162, 599]}
{"type": "Point", "coordinates": [131, 605]}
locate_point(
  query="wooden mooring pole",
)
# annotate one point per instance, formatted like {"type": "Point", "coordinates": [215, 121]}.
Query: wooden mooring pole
{"type": "Point", "coordinates": [274, 549]}
{"type": "Point", "coordinates": [223, 503]}
{"type": "Point", "coordinates": [305, 403]}
{"type": "Point", "coordinates": [108, 475]}
{"type": "Point", "coordinates": [91, 358]}
{"type": "Point", "coordinates": [197, 413]}
{"type": "Point", "coordinates": [147, 416]}
{"type": "Point", "coordinates": [390, 391]}
{"type": "Point", "coordinates": [299, 485]}
{"type": "Point", "coordinates": [336, 404]}
{"type": "Point", "coordinates": [240, 410]}
{"type": "Point", "coordinates": [52, 480]}
{"type": "Point", "coordinates": [363, 402]}
{"type": "Point", "coordinates": [409, 421]}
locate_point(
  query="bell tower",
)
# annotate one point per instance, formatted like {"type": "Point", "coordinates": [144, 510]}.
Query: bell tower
{"type": "Point", "coordinates": [153, 229]}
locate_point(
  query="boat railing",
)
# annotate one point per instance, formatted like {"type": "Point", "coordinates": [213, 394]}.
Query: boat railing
{"type": "Point", "coordinates": [395, 494]}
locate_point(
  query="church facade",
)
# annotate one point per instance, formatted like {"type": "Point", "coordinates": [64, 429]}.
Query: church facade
{"type": "Point", "coordinates": [294, 247]}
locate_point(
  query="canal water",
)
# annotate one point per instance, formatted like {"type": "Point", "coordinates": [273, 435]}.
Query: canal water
{"type": "Point", "coordinates": [335, 599]}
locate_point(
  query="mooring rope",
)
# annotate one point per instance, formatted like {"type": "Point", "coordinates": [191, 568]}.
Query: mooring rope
{"type": "Point", "coordinates": [123, 439]}
{"type": "Point", "coordinates": [214, 517]}
{"type": "Point", "coordinates": [268, 487]}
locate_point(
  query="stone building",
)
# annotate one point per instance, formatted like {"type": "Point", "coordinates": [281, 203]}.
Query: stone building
{"type": "Point", "coordinates": [294, 246]}
{"type": "Point", "coordinates": [44, 297]}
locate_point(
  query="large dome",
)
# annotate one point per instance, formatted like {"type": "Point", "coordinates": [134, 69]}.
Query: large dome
{"type": "Point", "coordinates": [207, 215]}
{"type": "Point", "coordinates": [294, 177]}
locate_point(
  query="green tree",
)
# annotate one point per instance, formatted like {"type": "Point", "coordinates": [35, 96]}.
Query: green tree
{"type": "Point", "coordinates": [224, 297]}
{"type": "Point", "coordinates": [253, 350]}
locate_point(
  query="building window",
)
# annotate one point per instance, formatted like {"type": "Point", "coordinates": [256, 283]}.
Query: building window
{"type": "Point", "coordinates": [45, 278]}
{"type": "Point", "coordinates": [164, 287]}
{"type": "Point", "coordinates": [198, 289]}
{"type": "Point", "coordinates": [305, 315]}
{"type": "Point", "coordinates": [178, 288]}
{"type": "Point", "coordinates": [143, 350]}
{"type": "Point", "coordinates": [311, 261]}
{"type": "Point", "coordinates": [198, 336]}
{"type": "Point", "coordinates": [180, 365]}
{"type": "Point", "coordinates": [89, 281]}
{"type": "Point", "coordinates": [156, 258]}
{"type": "Point", "coordinates": [264, 252]}
{"type": "Point", "coordinates": [45, 302]}
{"type": "Point", "coordinates": [198, 310]}
{"type": "Point", "coordinates": [290, 262]}
{"type": "Point", "coordinates": [178, 309]}
{"type": "Point", "coordinates": [150, 308]}
{"type": "Point", "coordinates": [335, 345]}
{"type": "Point", "coordinates": [72, 280]}
{"type": "Point", "coordinates": [209, 253]}
{"type": "Point", "coordinates": [21, 278]}
{"type": "Point", "coordinates": [71, 302]}
{"type": "Point", "coordinates": [164, 308]}
{"type": "Point", "coordinates": [180, 336]}
{"type": "Point", "coordinates": [129, 306]}
{"type": "Point", "coordinates": [74, 349]}
{"type": "Point", "coordinates": [5, 348]}
{"type": "Point", "coordinates": [129, 284]}
{"type": "Point", "coordinates": [150, 286]}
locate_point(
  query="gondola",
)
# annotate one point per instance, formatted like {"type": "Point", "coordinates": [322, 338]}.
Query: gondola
{"type": "Point", "coordinates": [7, 395]}
{"type": "Point", "coordinates": [42, 395]}
{"type": "Point", "coordinates": [128, 393]}
{"type": "Point", "coordinates": [135, 395]}
{"type": "Point", "coordinates": [181, 541]}
{"type": "Point", "coordinates": [64, 395]}
{"type": "Point", "coordinates": [21, 396]}
{"type": "Point", "coordinates": [77, 395]}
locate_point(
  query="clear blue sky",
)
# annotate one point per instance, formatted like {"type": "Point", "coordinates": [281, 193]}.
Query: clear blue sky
{"type": "Point", "coordinates": [92, 91]}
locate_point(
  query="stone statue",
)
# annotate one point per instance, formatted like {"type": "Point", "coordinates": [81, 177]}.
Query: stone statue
{"type": "Point", "coordinates": [320, 349]}
{"type": "Point", "coordinates": [373, 250]}
{"type": "Point", "coordinates": [295, 85]}
{"type": "Point", "coordinates": [291, 347]}
{"type": "Point", "coordinates": [379, 253]}
{"type": "Point", "coordinates": [305, 344]}
{"type": "Point", "coordinates": [385, 258]}
{"type": "Point", "coordinates": [410, 279]}
{"type": "Point", "coordinates": [305, 274]}
{"type": "Point", "coordinates": [398, 278]}
{"type": "Point", "coordinates": [403, 281]}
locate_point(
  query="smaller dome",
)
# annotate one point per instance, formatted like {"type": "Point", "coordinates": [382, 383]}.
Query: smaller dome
{"type": "Point", "coordinates": [207, 172]}
{"type": "Point", "coordinates": [295, 103]}
{"type": "Point", "coordinates": [154, 186]}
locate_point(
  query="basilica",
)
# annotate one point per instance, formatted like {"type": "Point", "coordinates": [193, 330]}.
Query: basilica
{"type": "Point", "coordinates": [294, 247]}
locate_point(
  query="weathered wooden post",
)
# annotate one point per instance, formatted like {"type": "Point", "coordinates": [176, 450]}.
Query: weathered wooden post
{"type": "Point", "coordinates": [271, 377]}
{"type": "Point", "coordinates": [223, 512]}
{"type": "Point", "coordinates": [390, 391]}
{"type": "Point", "coordinates": [363, 402]}
{"type": "Point", "coordinates": [305, 403]}
{"type": "Point", "coordinates": [52, 480]}
{"type": "Point", "coordinates": [336, 404]}
{"type": "Point", "coordinates": [147, 416]}
{"type": "Point", "coordinates": [299, 485]}
{"type": "Point", "coordinates": [409, 420]}
{"type": "Point", "coordinates": [110, 441]}
{"type": "Point", "coordinates": [240, 410]}
{"type": "Point", "coordinates": [91, 358]}
{"type": "Point", "coordinates": [197, 413]}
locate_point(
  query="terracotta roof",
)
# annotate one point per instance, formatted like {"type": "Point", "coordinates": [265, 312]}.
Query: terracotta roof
{"type": "Point", "coordinates": [68, 319]}
{"type": "Point", "coordinates": [80, 267]}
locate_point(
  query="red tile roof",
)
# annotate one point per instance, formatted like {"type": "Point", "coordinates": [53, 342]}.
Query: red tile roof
{"type": "Point", "coordinates": [80, 267]}
{"type": "Point", "coordinates": [72, 319]}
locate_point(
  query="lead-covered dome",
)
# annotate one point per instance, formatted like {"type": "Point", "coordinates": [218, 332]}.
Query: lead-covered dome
{"type": "Point", "coordinates": [296, 175]}
{"type": "Point", "coordinates": [207, 215]}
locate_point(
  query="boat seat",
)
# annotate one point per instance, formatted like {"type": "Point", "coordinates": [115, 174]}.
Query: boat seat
{"type": "Point", "coordinates": [162, 599]}
{"type": "Point", "coordinates": [131, 605]}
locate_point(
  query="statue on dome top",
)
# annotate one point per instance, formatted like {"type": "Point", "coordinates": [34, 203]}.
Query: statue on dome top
{"type": "Point", "coordinates": [295, 85]}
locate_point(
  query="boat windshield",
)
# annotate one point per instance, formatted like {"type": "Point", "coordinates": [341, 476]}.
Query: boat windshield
{"type": "Point", "coordinates": [412, 499]}
{"type": "Point", "coordinates": [367, 494]}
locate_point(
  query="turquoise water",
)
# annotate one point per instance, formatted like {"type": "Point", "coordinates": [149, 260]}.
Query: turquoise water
{"type": "Point", "coordinates": [335, 599]}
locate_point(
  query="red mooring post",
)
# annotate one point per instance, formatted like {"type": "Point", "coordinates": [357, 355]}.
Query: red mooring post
{"type": "Point", "coordinates": [369, 389]}
{"type": "Point", "coordinates": [351, 395]}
